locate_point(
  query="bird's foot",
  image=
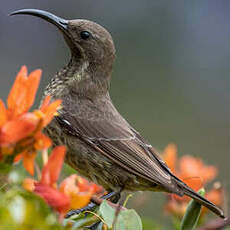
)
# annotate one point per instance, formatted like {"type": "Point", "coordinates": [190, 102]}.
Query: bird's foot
{"type": "Point", "coordinates": [112, 196]}
{"type": "Point", "coordinates": [89, 207]}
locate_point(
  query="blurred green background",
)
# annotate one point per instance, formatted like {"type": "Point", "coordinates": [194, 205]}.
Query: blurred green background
{"type": "Point", "coordinates": [171, 77]}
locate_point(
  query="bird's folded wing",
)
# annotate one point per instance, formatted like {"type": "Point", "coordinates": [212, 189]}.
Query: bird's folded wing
{"type": "Point", "coordinates": [119, 143]}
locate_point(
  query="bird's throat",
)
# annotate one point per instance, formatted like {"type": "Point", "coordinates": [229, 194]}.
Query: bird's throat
{"type": "Point", "coordinates": [77, 79]}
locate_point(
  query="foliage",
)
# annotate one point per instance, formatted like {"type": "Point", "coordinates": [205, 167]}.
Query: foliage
{"type": "Point", "coordinates": [125, 219]}
{"type": "Point", "coordinates": [192, 214]}
{"type": "Point", "coordinates": [20, 209]}
{"type": "Point", "coordinates": [36, 196]}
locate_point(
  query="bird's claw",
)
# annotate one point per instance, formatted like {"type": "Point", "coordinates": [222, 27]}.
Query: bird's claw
{"type": "Point", "coordinates": [92, 205]}
{"type": "Point", "coordinates": [89, 207]}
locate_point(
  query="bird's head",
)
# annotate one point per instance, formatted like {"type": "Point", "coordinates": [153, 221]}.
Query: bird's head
{"type": "Point", "coordinates": [89, 42]}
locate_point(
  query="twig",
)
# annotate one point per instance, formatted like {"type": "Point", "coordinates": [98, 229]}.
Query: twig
{"type": "Point", "coordinates": [216, 224]}
{"type": "Point", "coordinates": [95, 214]}
{"type": "Point", "coordinates": [118, 209]}
{"type": "Point", "coordinates": [98, 201]}
{"type": "Point", "coordinates": [44, 156]}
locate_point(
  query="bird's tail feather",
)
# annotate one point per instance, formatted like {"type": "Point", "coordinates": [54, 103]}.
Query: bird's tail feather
{"type": "Point", "coordinates": [191, 193]}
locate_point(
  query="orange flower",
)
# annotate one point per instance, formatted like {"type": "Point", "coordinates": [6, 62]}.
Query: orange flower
{"type": "Point", "coordinates": [74, 192]}
{"type": "Point", "coordinates": [177, 207]}
{"type": "Point", "coordinates": [20, 130]}
{"type": "Point", "coordinates": [48, 109]}
{"type": "Point", "coordinates": [28, 160]}
{"type": "Point", "coordinates": [189, 169]}
{"type": "Point", "coordinates": [15, 130]}
{"type": "Point", "coordinates": [195, 173]}
{"type": "Point", "coordinates": [15, 122]}
{"type": "Point", "coordinates": [79, 190]}
{"type": "Point", "coordinates": [54, 198]}
{"type": "Point", "coordinates": [52, 169]}
{"type": "Point", "coordinates": [39, 141]}
{"type": "Point", "coordinates": [46, 187]}
{"type": "Point", "coordinates": [22, 94]}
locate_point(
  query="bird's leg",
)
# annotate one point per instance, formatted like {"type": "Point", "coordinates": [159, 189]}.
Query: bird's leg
{"type": "Point", "coordinates": [114, 199]}
{"type": "Point", "coordinates": [113, 196]}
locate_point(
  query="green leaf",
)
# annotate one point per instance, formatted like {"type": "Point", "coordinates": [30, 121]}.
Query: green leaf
{"type": "Point", "coordinates": [192, 214]}
{"type": "Point", "coordinates": [107, 213]}
{"type": "Point", "coordinates": [126, 220]}
{"type": "Point", "coordinates": [22, 210]}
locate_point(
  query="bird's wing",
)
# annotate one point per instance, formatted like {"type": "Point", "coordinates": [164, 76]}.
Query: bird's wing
{"type": "Point", "coordinates": [115, 139]}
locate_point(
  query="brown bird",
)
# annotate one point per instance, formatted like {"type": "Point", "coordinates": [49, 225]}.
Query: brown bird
{"type": "Point", "coordinates": [102, 145]}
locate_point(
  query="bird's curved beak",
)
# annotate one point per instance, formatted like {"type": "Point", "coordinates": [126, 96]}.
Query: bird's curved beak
{"type": "Point", "coordinates": [61, 23]}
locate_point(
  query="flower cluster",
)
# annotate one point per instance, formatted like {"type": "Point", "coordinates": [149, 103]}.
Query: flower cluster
{"type": "Point", "coordinates": [72, 193]}
{"type": "Point", "coordinates": [21, 138]}
{"type": "Point", "coordinates": [20, 130]}
{"type": "Point", "coordinates": [195, 174]}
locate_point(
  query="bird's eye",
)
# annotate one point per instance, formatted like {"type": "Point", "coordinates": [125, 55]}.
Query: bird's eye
{"type": "Point", "coordinates": [85, 35]}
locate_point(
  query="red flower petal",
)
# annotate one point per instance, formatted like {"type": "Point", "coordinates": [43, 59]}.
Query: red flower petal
{"type": "Point", "coordinates": [70, 187]}
{"type": "Point", "coordinates": [52, 169]}
{"type": "Point", "coordinates": [53, 197]}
